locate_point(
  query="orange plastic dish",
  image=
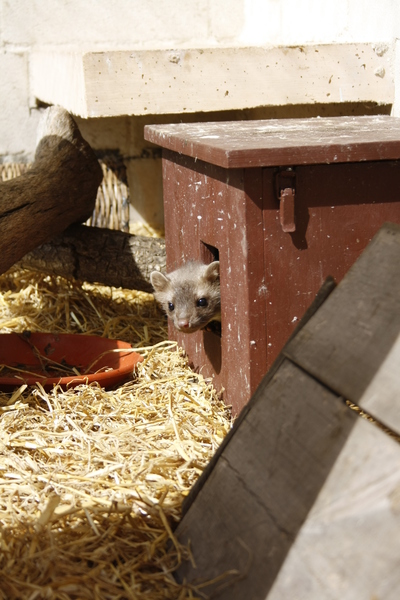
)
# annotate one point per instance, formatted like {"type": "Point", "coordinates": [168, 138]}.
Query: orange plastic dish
{"type": "Point", "coordinates": [44, 357]}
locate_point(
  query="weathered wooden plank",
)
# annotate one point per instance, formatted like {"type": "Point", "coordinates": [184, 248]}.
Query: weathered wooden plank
{"type": "Point", "coordinates": [186, 80]}
{"type": "Point", "coordinates": [381, 397]}
{"type": "Point", "coordinates": [355, 333]}
{"type": "Point", "coordinates": [280, 142]}
{"type": "Point", "coordinates": [253, 504]}
{"type": "Point", "coordinates": [349, 546]}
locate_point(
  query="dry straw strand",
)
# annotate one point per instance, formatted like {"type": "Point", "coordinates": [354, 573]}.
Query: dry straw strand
{"type": "Point", "coordinates": [92, 481]}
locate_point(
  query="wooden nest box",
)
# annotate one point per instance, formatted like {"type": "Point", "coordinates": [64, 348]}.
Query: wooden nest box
{"type": "Point", "coordinates": [283, 204]}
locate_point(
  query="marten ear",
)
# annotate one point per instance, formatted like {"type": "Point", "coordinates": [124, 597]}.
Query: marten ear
{"type": "Point", "coordinates": [212, 271]}
{"type": "Point", "coordinates": [159, 281]}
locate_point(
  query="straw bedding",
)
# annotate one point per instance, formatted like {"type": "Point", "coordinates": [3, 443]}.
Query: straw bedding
{"type": "Point", "coordinates": [92, 481]}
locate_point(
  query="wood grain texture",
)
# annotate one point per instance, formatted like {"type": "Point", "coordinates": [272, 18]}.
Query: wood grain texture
{"type": "Point", "coordinates": [187, 80]}
{"type": "Point", "coordinates": [349, 546]}
{"type": "Point", "coordinates": [356, 331]}
{"type": "Point", "coordinates": [253, 504]}
{"type": "Point", "coordinates": [280, 142]}
{"type": "Point", "coordinates": [381, 397]}
{"type": "Point", "coordinates": [99, 255]}
{"type": "Point", "coordinates": [58, 190]}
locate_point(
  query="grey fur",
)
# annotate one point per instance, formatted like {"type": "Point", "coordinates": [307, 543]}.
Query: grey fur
{"type": "Point", "coordinates": [183, 288]}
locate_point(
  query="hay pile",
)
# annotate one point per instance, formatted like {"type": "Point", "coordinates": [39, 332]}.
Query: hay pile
{"type": "Point", "coordinates": [92, 481]}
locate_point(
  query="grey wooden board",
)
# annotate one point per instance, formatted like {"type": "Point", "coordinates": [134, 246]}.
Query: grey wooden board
{"type": "Point", "coordinates": [255, 500]}
{"type": "Point", "coordinates": [355, 333]}
{"type": "Point", "coordinates": [349, 546]}
{"type": "Point", "coordinates": [382, 396]}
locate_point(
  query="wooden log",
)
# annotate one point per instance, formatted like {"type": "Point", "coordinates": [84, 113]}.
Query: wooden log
{"type": "Point", "coordinates": [101, 256]}
{"type": "Point", "coordinates": [59, 189]}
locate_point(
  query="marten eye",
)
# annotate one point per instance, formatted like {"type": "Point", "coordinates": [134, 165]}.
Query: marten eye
{"type": "Point", "coordinates": [171, 306]}
{"type": "Point", "coordinates": [202, 302]}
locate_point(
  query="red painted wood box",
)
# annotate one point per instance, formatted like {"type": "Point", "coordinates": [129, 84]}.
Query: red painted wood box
{"type": "Point", "coordinates": [282, 204]}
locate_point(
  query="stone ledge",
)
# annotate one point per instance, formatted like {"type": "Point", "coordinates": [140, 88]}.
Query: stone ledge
{"type": "Point", "coordinates": [140, 82]}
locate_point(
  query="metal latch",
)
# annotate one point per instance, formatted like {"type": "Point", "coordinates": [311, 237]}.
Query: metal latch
{"type": "Point", "coordinates": [286, 191]}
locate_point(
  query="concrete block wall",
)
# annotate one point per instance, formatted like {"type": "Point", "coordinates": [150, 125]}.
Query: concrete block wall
{"type": "Point", "coordinates": [28, 25]}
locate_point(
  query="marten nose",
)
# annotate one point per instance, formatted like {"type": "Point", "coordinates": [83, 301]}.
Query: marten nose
{"type": "Point", "coordinates": [183, 323]}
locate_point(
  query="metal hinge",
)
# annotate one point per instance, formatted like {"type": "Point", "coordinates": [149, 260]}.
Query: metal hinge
{"type": "Point", "coordinates": [286, 190]}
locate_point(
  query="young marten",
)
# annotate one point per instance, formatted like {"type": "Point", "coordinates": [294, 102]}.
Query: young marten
{"type": "Point", "coordinates": [189, 295]}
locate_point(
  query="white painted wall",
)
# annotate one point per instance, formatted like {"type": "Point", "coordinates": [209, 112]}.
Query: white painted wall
{"type": "Point", "coordinates": [27, 25]}
{"type": "Point", "coordinates": [101, 24]}
{"type": "Point", "coordinates": [295, 22]}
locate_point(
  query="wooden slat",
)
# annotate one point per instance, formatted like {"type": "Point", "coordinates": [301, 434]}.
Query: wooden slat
{"type": "Point", "coordinates": [253, 504]}
{"type": "Point", "coordinates": [355, 334]}
{"type": "Point", "coordinates": [382, 396]}
{"type": "Point", "coordinates": [349, 546]}
{"type": "Point", "coordinates": [279, 142]}
{"type": "Point", "coordinates": [187, 80]}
